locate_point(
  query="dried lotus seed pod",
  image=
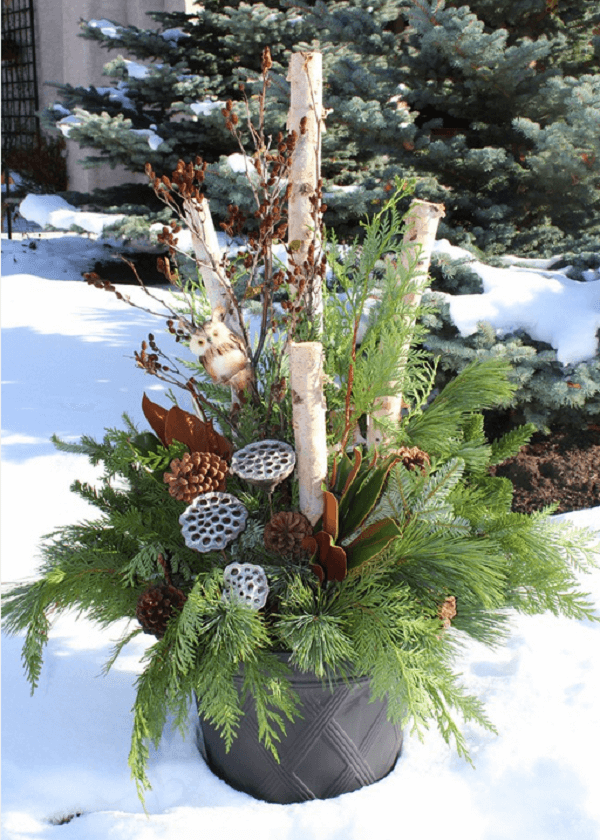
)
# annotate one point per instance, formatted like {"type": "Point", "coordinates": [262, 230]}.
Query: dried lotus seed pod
{"type": "Point", "coordinates": [247, 583]}
{"type": "Point", "coordinates": [264, 463]}
{"type": "Point", "coordinates": [212, 521]}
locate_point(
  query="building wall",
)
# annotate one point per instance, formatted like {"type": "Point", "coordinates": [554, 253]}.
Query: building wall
{"type": "Point", "coordinates": [66, 58]}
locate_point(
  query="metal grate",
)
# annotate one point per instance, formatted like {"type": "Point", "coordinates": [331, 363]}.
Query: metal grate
{"type": "Point", "coordinates": [20, 125]}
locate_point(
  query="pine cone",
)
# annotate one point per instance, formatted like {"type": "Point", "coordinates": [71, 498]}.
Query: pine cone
{"type": "Point", "coordinates": [195, 473]}
{"type": "Point", "coordinates": [155, 607]}
{"type": "Point", "coordinates": [447, 611]}
{"type": "Point", "coordinates": [413, 458]}
{"type": "Point", "coordinates": [285, 532]}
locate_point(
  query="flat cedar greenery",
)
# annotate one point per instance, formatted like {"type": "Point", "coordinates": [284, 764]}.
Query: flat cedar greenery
{"type": "Point", "coordinates": [415, 535]}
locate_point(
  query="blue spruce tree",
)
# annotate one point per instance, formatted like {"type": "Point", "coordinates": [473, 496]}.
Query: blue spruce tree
{"type": "Point", "coordinates": [492, 107]}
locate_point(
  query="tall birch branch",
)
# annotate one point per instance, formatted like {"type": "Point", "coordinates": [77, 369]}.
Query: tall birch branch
{"type": "Point", "coordinates": [421, 226]}
{"type": "Point", "coordinates": [306, 119]}
{"type": "Point", "coordinates": [209, 261]}
{"type": "Point", "coordinates": [309, 421]}
{"type": "Point", "coordinates": [304, 231]}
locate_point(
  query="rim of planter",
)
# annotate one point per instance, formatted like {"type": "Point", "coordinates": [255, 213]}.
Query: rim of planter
{"type": "Point", "coordinates": [299, 677]}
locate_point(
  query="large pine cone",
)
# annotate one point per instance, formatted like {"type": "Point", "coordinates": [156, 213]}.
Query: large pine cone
{"type": "Point", "coordinates": [195, 473]}
{"type": "Point", "coordinates": [155, 607]}
{"type": "Point", "coordinates": [285, 532]}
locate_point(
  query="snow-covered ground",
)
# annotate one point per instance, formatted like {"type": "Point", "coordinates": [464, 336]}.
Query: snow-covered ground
{"type": "Point", "coordinates": [68, 368]}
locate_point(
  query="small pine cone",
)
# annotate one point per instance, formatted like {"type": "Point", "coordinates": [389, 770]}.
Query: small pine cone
{"type": "Point", "coordinates": [195, 473]}
{"type": "Point", "coordinates": [447, 611]}
{"type": "Point", "coordinates": [155, 607]}
{"type": "Point", "coordinates": [285, 532]}
{"type": "Point", "coordinates": [413, 458]}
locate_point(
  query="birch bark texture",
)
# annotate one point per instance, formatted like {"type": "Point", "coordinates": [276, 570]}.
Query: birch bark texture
{"type": "Point", "coordinates": [419, 237]}
{"type": "Point", "coordinates": [209, 260]}
{"type": "Point", "coordinates": [306, 118]}
{"type": "Point", "coordinates": [309, 421]}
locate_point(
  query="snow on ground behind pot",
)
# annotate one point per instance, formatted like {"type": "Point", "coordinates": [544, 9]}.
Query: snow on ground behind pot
{"type": "Point", "coordinates": [67, 359]}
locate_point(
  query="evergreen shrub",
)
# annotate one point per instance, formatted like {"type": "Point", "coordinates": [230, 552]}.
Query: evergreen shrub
{"type": "Point", "coordinates": [549, 393]}
{"type": "Point", "coordinates": [491, 106]}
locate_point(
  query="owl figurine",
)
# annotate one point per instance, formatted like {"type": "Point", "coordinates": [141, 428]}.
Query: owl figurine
{"type": "Point", "coordinates": [222, 352]}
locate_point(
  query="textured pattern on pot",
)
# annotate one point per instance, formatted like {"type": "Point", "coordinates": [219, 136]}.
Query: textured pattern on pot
{"type": "Point", "coordinates": [342, 742]}
{"type": "Point", "coordinates": [247, 583]}
{"type": "Point", "coordinates": [212, 521]}
{"type": "Point", "coordinates": [264, 463]}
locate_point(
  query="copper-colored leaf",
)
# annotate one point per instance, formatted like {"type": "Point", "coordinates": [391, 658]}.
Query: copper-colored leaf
{"type": "Point", "coordinates": [177, 424]}
{"type": "Point", "coordinates": [156, 415]}
{"type": "Point", "coordinates": [218, 444]}
{"type": "Point", "coordinates": [318, 570]}
{"type": "Point", "coordinates": [323, 541]}
{"type": "Point", "coordinates": [330, 514]}
{"type": "Point", "coordinates": [180, 426]}
{"type": "Point", "coordinates": [335, 563]}
{"type": "Point", "coordinates": [447, 611]}
{"type": "Point", "coordinates": [197, 435]}
{"type": "Point", "coordinates": [331, 559]}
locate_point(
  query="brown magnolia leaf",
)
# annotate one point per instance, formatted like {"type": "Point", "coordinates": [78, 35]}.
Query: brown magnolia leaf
{"type": "Point", "coordinates": [318, 570]}
{"type": "Point", "coordinates": [331, 559]}
{"type": "Point", "coordinates": [330, 514]}
{"type": "Point", "coordinates": [177, 424]}
{"type": "Point", "coordinates": [197, 435]}
{"type": "Point", "coordinates": [335, 563]}
{"type": "Point", "coordinates": [180, 426]}
{"type": "Point", "coordinates": [323, 541]}
{"type": "Point", "coordinates": [156, 415]}
{"type": "Point", "coordinates": [218, 444]}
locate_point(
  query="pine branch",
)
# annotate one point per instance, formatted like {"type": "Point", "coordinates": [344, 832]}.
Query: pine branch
{"type": "Point", "coordinates": [511, 443]}
{"type": "Point", "coordinates": [117, 649]}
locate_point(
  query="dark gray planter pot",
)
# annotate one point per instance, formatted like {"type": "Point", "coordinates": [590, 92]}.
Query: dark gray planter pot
{"type": "Point", "coordinates": [343, 742]}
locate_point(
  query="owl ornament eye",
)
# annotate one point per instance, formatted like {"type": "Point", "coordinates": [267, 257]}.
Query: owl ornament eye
{"type": "Point", "coordinates": [197, 344]}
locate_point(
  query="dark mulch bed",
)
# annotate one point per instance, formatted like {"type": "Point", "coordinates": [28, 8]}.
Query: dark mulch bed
{"type": "Point", "coordinates": [563, 467]}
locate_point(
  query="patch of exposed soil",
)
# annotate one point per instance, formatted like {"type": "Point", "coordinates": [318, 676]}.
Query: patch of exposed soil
{"type": "Point", "coordinates": [563, 467]}
{"type": "Point", "coordinates": [119, 272]}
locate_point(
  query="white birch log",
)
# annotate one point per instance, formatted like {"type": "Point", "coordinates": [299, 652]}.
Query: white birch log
{"type": "Point", "coordinates": [209, 260]}
{"type": "Point", "coordinates": [421, 226]}
{"type": "Point", "coordinates": [306, 118]}
{"type": "Point", "coordinates": [309, 421]}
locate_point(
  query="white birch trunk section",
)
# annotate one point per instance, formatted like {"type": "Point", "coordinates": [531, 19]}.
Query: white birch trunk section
{"type": "Point", "coordinates": [208, 259]}
{"type": "Point", "coordinates": [309, 420]}
{"type": "Point", "coordinates": [304, 219]}
{"type": "Point", "coordinates": [421, 226]}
